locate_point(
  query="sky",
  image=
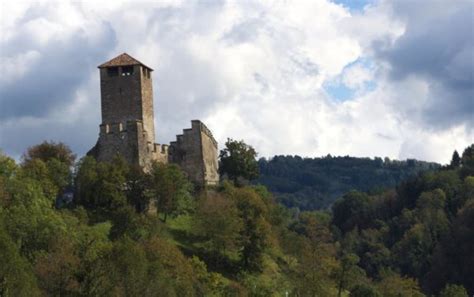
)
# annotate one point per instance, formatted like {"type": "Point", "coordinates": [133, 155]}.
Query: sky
{"type": "Point", "coordinates": [309, 78]}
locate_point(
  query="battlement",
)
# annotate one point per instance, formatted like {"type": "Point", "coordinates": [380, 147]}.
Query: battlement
{"type": "Point", "coordinates": [158, 148]}
{"type": "Point", "coordinates": [119, 128]}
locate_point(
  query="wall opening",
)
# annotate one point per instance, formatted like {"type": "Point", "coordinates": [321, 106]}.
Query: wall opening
{"type": "Point", "coordinates": [112, 71]}
{"type": "Point", "coordinates": [127, 70]}
{"type": "Point", "coordinates": [146, 72]}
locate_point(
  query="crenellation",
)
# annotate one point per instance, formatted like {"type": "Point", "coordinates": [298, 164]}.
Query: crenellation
{"type": "Point", "coordinates": [127, 126]}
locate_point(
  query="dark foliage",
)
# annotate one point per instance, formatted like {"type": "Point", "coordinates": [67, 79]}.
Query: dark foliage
{"type": "Point", "coordinates": [314, 183]}
{"type": "Point", "coordinates": [238, 162]}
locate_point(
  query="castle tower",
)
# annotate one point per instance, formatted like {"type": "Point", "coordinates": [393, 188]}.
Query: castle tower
{"type": "Point", "coordinates": [127, 125]}
{"type": "Point", "coordinates": [127, 93]}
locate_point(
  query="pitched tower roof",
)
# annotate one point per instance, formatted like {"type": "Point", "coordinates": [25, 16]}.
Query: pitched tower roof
{"type": "Point", "coordinates": [123, 60]}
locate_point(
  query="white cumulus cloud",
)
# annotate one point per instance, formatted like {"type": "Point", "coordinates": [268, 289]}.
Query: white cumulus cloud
{"type": "Point", "coordinates": [250, 70]}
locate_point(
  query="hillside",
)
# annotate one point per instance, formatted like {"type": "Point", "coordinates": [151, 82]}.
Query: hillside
{"type": "Point", "coordinates": [314, 183]}
{"type": "Point", "coordinates": [135, 233]}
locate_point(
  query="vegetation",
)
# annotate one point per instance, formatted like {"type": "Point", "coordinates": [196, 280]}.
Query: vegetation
{"type": "Point", "coordinates": [237, 162]}
{"type": "Point", "coordinates": [135, 233]}
{"type": "Point", "coordinates": [315, 183]}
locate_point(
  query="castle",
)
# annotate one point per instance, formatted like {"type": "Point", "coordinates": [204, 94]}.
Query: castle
{"type": "Point", "coordinates": [128, 125]}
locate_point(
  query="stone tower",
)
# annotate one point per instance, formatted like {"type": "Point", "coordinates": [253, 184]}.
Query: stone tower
{"type": "Point", "coordinates": [127, 127]}
{"type": "Point", "coordinates": [127, 93]}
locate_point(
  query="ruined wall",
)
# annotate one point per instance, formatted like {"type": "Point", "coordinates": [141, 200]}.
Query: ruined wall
{"type": "Point", "coordinates": [195, 151]}
{"type": "Point", "coordinates": [209, 156]}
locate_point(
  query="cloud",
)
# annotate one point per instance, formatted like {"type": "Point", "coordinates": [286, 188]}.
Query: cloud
{"type": "Point", "coordinates": [47, 62]}
{"type": "Point", "coordinates": [250, 70]}
{"type": "Point", "coordinates": [438, 49]}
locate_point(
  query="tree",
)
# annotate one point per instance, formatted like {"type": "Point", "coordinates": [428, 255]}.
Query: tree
{"type": "Point", "coordinates": [170, 188]}
{"type": "Point", "coordinates": [50, 150]}
{"type": "Point", "coordinates": [467, 161]}
{"type": "Point", "coordinates": [238, 161]}
{"type": "Point", "coordinates": [16, 275]}
{"type": "Point", "coordinates": [316, 261]}
{"type": "Point", "coordinates": [453, 291]}
{"type": "Point", "coordinates": [453, 258]}
{"type": "Point", "coordinates": [56, 270]}
{"type": "Point", "coordinates": [137, 185]}
{"type": "Point", "coordinates": [348, 273]}
{"type": "Point", "coordinates": [217, 219]}
{"type": "Point", "coordinates": [255, 232]}
{"type": "Point", "coordinates": [101, 186]}
{"type": "Point", "coordinates": [393, 285]}
{"type": "Point", "coordinates": [353, 210]}
{"type": "Point", "coordinates": [455, 160]}
{"type": "Point", "coordinates": [364, 291]}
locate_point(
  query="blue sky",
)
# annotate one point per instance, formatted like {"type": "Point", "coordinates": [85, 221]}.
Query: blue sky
{"type": "Point", "coordinates": [365, 78]}
{"type": "Point", "coordinates": [354, 5]}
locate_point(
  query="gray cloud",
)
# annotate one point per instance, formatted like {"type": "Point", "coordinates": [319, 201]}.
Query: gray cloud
{"type": "Point", "coordinates": [51, 80]}
{"type": "Point", "coordinates": [438, 47]}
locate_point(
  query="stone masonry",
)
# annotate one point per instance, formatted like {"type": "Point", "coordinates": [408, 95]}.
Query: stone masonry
{"type": "Point", "coordinates": [128, 127]}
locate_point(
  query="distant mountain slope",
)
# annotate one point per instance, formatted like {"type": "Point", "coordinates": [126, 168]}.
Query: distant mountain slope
{"type": "Point", "coordinates": [314, 183]}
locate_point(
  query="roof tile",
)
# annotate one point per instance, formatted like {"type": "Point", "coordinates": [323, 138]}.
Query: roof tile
{"type": "Point", "coordinates": [122, 60]}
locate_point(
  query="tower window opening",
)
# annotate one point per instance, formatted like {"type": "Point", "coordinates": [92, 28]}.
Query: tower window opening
{"type": "Point", "coordinates": [112, 71]}
{"type": "Point", "coordinates": [127, 70]}
{"type": "Point", "coordinates": [146, 72]}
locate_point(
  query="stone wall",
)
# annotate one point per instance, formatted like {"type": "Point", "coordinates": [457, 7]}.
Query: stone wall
{"type": "Point", "coordinates": [195, 151]}
{"type": "Point", "coordinates": [147, 102]}
{"type": "Point", "coordinates": [209, 156]}
{"type": "Point", "coordinates": [130, 142]}
{"type": "Point", "coordinates": [127, 97]}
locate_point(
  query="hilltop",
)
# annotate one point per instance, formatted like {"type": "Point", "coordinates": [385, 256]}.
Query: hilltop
{"type": "Point", "coordinates": [315, 183]}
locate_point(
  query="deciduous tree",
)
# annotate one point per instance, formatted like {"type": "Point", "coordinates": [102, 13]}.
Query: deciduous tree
{"type": "Point", "coordinates": [238, 161]}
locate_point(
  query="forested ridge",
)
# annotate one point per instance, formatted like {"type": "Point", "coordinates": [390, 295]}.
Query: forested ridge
{"type": "Point", "coordinates": [315, 183]}
{"type": "Point", "coordinates": [134, 233]}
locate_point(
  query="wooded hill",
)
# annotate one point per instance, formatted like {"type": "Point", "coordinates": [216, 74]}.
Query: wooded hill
{"type": "Point", "coordinates": [315, 183]}
{"type": "Point", "coordinates": [416, 239]}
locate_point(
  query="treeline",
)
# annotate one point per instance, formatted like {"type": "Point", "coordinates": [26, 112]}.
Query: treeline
{"type": "Point", "coordinates": [314, 183]}
{"type": "Point", "coordinates": [424, 229]}
{"type": "Point", "coordinates": [134, 233]}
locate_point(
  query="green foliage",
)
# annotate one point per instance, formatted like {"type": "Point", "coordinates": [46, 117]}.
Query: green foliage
{"type": "Point", "coordinates": [364, 291]}
{"type": "Point", "coordinates": [7, 166]}
{"type": "Point", "coordinates": [453, 291]}
{"type": "Point", "coordinates": [238, 161]}
{"type": "Point", "coordinates": [254, 235]}
{"type": "Point", "coordinates": [101, 186]}
{"type": "Point", "coordinates": [171, 190]}
{"type": "Point", "coordinates": [455, 160]}
{"type": "Point", "coordinates": [353, 210]}
{"type": "Point", "coordinates": [393, 285]}
{"type": "Point", "coordinates": [467, 161]}
{"type": "Point", "coordinates": [315, 183]}
{"type": "Point", "coordinates": [316, 261]}
{"type": "Point", "coordinates": [47, 151]}
{"type": "Point", "coordinates": [16, 274]}
{"type": "Point", "coordinates": [348, 274]}
{"type": "Point", "coordinates": [234, 241]}
{"type": "Point", "coordinates": [217, 220]}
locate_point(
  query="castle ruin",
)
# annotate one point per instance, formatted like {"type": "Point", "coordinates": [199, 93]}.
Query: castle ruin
{"type": "Point", "coordinates": [128, 126]}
